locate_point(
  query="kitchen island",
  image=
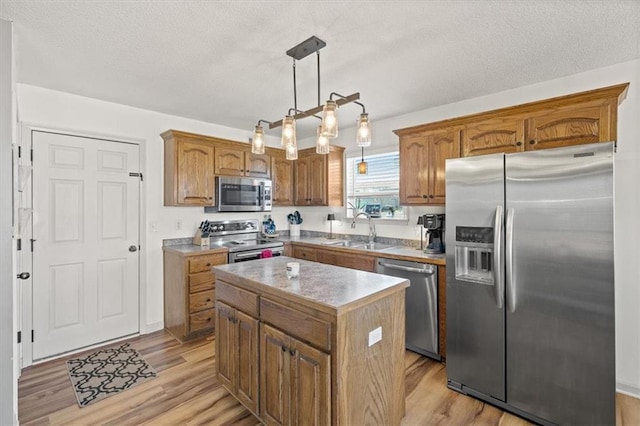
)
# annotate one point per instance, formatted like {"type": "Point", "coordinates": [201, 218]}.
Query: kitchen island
{"type": "Point", "coordinates": [324, 348]}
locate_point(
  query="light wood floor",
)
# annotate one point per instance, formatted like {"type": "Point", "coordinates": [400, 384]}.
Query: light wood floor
{"type": "Point", "coordinates": [186, 392]}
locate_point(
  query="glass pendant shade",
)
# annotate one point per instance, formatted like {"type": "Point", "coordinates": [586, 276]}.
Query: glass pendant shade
{"type": "Point", "coordinates": [362, 168]}
{"type": "Point", "coordinates": [322, 143]}
{"type": "Point", "coordinates": [288, 131]}
{"type": "Point", "coordinates": [257, 143]}
{"type": "Point", "coordinates": [291, 152]}
{"type": "Point", "coordinates": [329, 124]}
{"type": "Point", "coordinates": [363, 132]}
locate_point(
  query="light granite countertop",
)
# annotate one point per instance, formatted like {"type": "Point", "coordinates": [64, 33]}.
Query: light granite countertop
{"type": "Point", "coordinates": [194, 249]}
{"type": "Point", "coordinates": [335, 288]}
{"type": "Point", "coordinates": [390, 252]}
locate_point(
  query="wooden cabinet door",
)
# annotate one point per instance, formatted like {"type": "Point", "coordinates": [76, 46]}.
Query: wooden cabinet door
{"type": "Point", "coordinates": [302, 176]}
{"type": "Point", "coordinates": [442, 145]}
{"type": "Point", "coordinates": [414, 177]}
{"type": "Point", "coordinates": [229, 162]}
{"type": "Point", "coordinates": [310, 385]}
{"type": "Point", "coordinates": [570, 125]}
{"type": "Point", "coordinates": [493, 136]}
{"type": "Point", "coordinates": [282, 172]}
{"type": "Point", "coordinates": [317, 180]}
{"type": "Point", "coordinates": [246, 328]}
{"type": "Point", "coordinates": [194, 173]}
{"type": "Point", "coordinates": [225, 344]}
{"type": "Point", "coordinates": [274, 376]}
{"type": "Point", "coordinates": [257, 165]}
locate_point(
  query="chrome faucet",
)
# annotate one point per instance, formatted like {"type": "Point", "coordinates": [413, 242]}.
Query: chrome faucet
{"type": "Point", "coordinates": [372, 226]}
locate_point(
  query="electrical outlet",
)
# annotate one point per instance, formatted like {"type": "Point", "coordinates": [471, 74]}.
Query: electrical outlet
{"type": "Point", "coordinates": [375, 336]}
{"type": "Point", "coordinates": [154, 227]}
{"type": "Point", "coordinates": [179, 224]}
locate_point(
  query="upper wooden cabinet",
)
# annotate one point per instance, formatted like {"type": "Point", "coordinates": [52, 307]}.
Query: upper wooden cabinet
{"type": "Point", "coordinates": [230, 161]}
{"type": "Point", "coordinates": [579, 118]}
{"type": "Point", "coordinates": [282, 175]}
{"type": "Point", "coordinates": [502, 134]}
{"type": "Point", "coordinates": [188, 170]}
{"type": "Point", "coordinates": [319, 178]}
{"type": "Point", "coordinates": [422, 163]}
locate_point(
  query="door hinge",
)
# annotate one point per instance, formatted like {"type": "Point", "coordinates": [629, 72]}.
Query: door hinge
{"type": "Point", "coordinates": [19, 151]}
{"type": "Point", "coordinates": [33, 336]}
{"type": "Point", "coordinates": [31, 155]}
{"type": "Point", "coordinates": [134, 174]}
{"type": "Point", "coordinates": [32, 241]}
{"type": "Point", "coordinates": [19, 244]}
{"type": "Point", "coordinates": [19, 336]}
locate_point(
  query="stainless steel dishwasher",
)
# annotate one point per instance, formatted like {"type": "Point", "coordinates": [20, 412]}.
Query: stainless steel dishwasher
{"type": "Point", "coordinates": [421, 322]}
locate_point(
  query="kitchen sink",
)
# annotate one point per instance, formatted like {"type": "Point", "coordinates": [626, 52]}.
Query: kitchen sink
{"type": "Point", "coordinates": [357, 244]}
{"type": "Point", "coordinates": [344, 243]}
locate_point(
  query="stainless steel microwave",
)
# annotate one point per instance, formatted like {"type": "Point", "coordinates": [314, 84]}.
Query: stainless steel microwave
{"type": "Point", "coordinates": [241, 194]}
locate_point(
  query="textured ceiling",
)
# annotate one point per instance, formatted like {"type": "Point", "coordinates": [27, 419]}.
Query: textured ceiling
{"type": "Point", "coordinates": [224, 61]}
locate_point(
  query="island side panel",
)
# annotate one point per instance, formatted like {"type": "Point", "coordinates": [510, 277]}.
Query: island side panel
{"type": "Point", "coordinates": [369, 380]}
{"type": "Point", "coordinates": [175, 287]}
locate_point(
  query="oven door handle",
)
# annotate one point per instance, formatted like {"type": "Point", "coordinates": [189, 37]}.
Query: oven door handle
{"type": "Point", "coordinates": [246, 254]}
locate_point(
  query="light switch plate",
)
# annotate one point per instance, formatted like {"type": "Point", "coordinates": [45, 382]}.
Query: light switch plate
{"type": "Point", "coordinates": [375, 336]}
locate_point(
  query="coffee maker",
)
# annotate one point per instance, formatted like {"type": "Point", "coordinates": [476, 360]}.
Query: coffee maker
{"type": "Point", "coordinates": [434, 224]}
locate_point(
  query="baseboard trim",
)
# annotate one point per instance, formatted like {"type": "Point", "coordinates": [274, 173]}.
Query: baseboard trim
{"type": "Point", "coordinates": [150, 328]}
{"type": "Point", "coordinates": [628, 390]}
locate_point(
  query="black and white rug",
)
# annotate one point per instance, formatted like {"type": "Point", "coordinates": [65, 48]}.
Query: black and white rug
{"type": "Point", "coordinates": [107, 372]}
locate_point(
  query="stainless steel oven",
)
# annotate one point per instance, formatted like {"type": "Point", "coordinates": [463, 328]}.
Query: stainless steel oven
{"type": "Point", "coordinates": [243, 240]}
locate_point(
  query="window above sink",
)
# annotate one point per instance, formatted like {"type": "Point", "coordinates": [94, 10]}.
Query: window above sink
{"type": "Point", "coordinates": [377, 192]}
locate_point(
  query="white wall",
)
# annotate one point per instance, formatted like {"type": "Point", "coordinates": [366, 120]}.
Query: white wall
{"type": "Point", "coordinates": [62, 110]}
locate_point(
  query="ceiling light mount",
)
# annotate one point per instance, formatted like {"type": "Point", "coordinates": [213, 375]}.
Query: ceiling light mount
{"type": "Point", "coordinates": [328, 128]}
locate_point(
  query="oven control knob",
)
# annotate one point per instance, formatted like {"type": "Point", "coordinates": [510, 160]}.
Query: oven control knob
{"type": "Point", "coordinates": [221, 228]}
{"type": "Point", "coordinates": [214, 228]}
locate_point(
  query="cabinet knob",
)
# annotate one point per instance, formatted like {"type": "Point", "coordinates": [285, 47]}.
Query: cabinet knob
{"type": "Point", "coordinates": [292, 352]}
{"type": "Point", "coordinates": [430, 196]}
{"type": "Point", "coordinates": [208, 264]}
{"type": "Point", "coordinates": [210, 198]}
{"type": "Point", "coordinates": [424, 196]}
{"type": "Point", "coordinates": [532, 142]}
{"type": "Point", "coordinates": [284, 349]}
{"type": "Point", "coordinates": [209, 319]}
{"type": "Point", "coordinates": [208, 300]}
{"type": "Point", "coordinates": [519, 143]}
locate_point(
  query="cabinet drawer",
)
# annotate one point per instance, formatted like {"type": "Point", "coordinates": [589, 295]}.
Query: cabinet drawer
{"type": "Point", "coordinates": [304, 253]}
{"type": "Point", "coordinates": [201, 301]}
{"type": "Point", "coordinates": [204, 263]}
{"type": "Point", "coordinates": [357, 262]}
{"type": "Point", "coordinates": [202, 320]}
{"type": "Point", "coordinates": [298, 324]}
{"type": "Point", "coordinates": [201, 281]}
{"type": "Point", "coordinates": [244, 300]}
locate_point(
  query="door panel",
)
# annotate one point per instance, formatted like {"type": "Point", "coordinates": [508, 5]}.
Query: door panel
{"type": "Point", "coordinates": [85, 280]}
{"type": "Point", "coordinates": [274, 376]}
{"type": "Point", "coordinates": [560, 326]}
{"type": "Point", "coordinates": [475, 321]}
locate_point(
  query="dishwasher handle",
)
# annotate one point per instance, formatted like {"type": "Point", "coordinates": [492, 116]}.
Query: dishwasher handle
{"type": "Point", "coordinates": [429, 271]}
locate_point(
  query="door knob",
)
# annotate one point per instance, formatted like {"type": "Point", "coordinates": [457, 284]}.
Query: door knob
{"type": "Point", "coordinates": [23, 276]}
{"type": "Point", "coordinates": [133, 248]}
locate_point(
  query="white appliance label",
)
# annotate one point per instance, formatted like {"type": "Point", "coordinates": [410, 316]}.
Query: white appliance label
{"type": "Point", "coordinates": [375, 336]}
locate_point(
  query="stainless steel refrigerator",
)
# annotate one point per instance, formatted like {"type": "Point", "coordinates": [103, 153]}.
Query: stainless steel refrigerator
{"type": "Point", "coordinates": [530, 282]}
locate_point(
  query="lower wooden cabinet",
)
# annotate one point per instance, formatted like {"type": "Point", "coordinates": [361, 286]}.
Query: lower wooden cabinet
{"type": "Point", "coordinates": [189, 292]}
{"type": "Point", "coordinates": [237, 354]}
{"type": "Point", "coordinates": [295, 381]}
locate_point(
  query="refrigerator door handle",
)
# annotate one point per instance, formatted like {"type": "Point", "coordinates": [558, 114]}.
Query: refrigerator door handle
{"type": "Point", "coordinates": [498, 287]}
{"type": "Point", "coordinates": [511, 282]}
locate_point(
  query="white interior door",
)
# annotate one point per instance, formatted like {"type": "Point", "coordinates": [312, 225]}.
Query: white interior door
{"type": "Point", "coordinates": [85, 227]}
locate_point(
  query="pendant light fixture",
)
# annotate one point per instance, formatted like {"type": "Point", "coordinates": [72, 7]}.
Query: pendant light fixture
{"type": "Point", "coordinates": [328, 128]}
{"type": "Point", "coordinates": [257, 142]}
{"type": "Point", "coordinates": [322, 143]}
{"type": "Point", "coordinates": [362, 165]}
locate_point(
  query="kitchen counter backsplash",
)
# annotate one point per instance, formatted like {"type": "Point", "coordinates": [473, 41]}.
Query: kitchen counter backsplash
{"type": "Point", "coordinates": [315, 234]}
